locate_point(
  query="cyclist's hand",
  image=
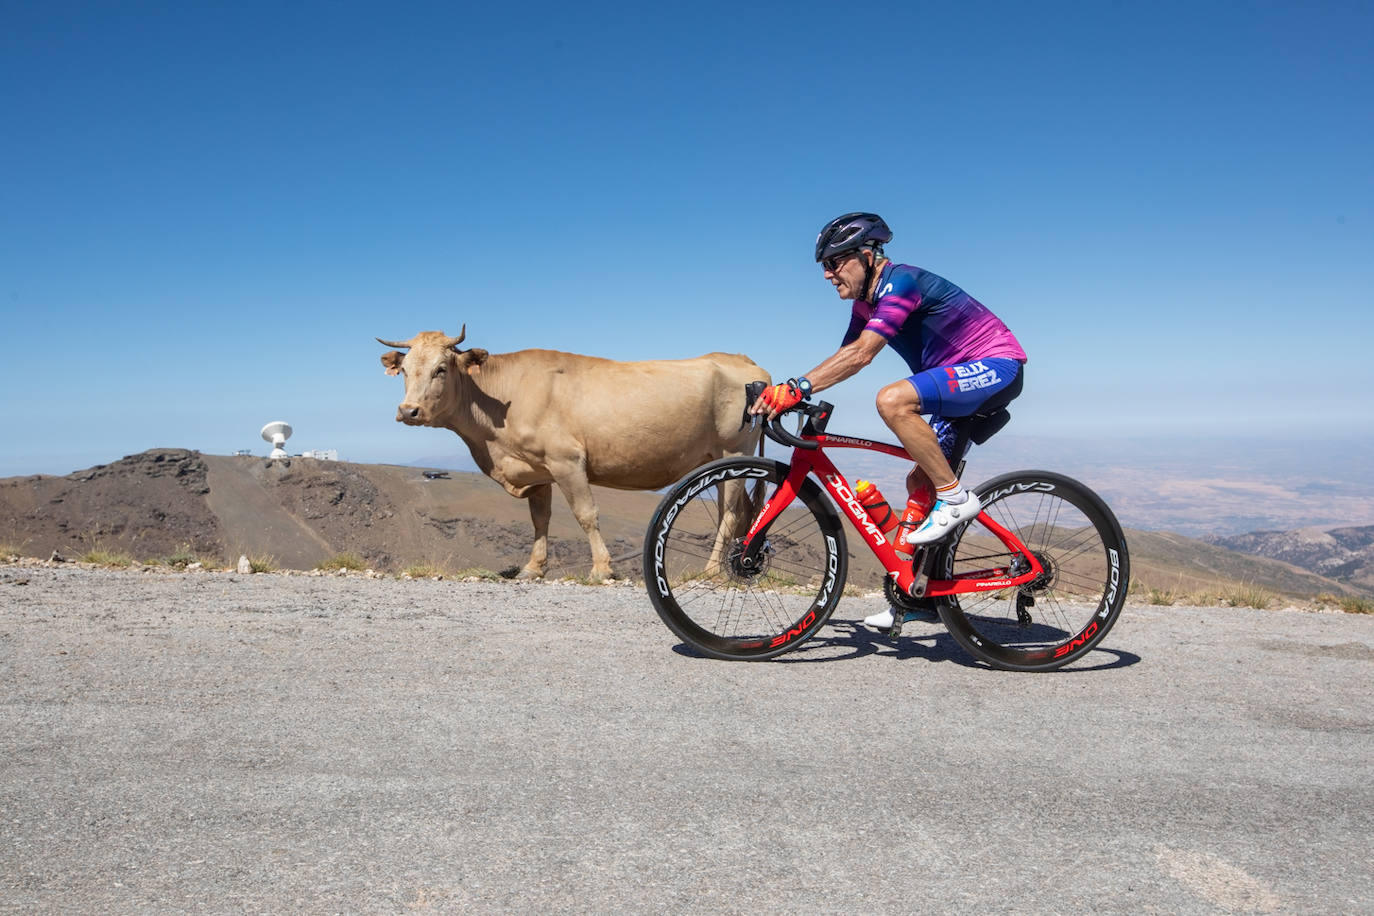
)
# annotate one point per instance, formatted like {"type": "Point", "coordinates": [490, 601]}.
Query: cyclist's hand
{"type": "Point", "coordinates": [776, 399]}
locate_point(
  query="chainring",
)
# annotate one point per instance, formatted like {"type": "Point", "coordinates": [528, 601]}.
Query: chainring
{"type": "Point", "coordinates": [907, 604]}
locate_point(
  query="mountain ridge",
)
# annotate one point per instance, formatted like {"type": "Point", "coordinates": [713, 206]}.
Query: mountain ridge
{"type": "Point", "coordinates": [1344, 553]}
{"type": "Point", "coordinates": [303, 511]}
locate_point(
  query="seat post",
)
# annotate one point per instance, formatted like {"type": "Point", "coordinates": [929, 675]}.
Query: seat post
{"type": "Point", "coordinates": [960, 450]}
{"type": "Point", "coordinates": [975, 429]}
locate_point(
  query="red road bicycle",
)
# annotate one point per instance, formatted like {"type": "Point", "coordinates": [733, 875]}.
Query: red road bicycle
{"type": "Point", "coordinates": [745, 558]}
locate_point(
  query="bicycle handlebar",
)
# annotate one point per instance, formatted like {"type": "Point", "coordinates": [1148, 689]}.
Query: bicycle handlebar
{"type": "Point", "coordinates": [817, 415]}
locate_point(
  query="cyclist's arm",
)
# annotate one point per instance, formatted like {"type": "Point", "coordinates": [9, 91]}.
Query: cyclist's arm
{"type": "Point", "coordinates": [846, 361]}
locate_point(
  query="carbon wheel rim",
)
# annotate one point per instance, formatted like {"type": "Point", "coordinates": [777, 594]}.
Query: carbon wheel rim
{"type": "Point", "coordinates": [1065, 611]}
{"type": "Point", "coordinates": [728, 604]}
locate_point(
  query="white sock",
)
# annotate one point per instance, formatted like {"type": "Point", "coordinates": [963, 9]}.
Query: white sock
{"type": "Point", "coordinates": [954, 494]}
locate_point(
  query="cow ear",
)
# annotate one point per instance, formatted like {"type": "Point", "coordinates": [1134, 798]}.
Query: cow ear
{"type": "Point", "coordinates": [391, 360]}
{"type": "Point", "coordinates": [474, 357]}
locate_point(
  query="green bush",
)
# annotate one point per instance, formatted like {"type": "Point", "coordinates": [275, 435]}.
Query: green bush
{"type": "Point", "coordinates": [477, 572]}
{"type": "Point", "coordinates": [350, 561]}
{"type": "Point", "coordinates": [183, 557]}
{"type": "Point", "coordinates": [1250, 596]}
{"type": "Point", "coordinates": [262, 563]}
{"type": "Point", "coordinates": [102, 556]}
{"type": "Point", "coordinates": [1161, 596]}
{"type": "Point", "coordinates": [1353, 605]}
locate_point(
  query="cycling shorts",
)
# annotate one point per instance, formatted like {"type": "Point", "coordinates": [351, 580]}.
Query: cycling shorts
{"type": "Point", "coordinates": [959, 390]}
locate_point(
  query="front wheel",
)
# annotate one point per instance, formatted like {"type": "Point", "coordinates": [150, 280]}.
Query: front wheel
{"type": "Point", "coordinates": [1062, 614]}
{"type": "Point", "coordinates": [730, 605]}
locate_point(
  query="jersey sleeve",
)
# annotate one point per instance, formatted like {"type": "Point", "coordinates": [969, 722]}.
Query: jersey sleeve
{"type": "Point", "coordinates": [857, 320]}
{"type": "Point", "coordinates": [897, 300]}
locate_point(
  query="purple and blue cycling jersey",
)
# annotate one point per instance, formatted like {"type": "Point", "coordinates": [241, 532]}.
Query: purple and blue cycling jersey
{"type": "Point", "coordinates": [930, 322]}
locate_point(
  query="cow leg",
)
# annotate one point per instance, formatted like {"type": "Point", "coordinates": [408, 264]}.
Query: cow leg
{"type": "Point", "coordinates": [736, 510]}
{"type": "Point", "coordinates": [578, 493]}
{"type": "Point", "coordinates": [728, 510]}
{"type": "Point", "coordinates": [541, 507]}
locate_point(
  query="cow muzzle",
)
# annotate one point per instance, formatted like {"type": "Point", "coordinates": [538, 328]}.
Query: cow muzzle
{"type": "Point", "coordinates": [409, 414]}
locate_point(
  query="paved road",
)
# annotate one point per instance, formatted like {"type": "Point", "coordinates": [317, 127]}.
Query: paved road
{"type": "Point", "coordinates": [222, 743]}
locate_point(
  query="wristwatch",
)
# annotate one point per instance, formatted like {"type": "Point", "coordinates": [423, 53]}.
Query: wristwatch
{"type": "Point", "coordinates": [804, 386]}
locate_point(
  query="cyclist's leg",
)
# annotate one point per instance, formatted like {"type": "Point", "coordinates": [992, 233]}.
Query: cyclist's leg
{"type": "Point", "coordinates": [918, 481]}
{"type": "Point", "coordinates": [948, 391]}
{"type": "Point", "coordinates": [920, 488]}
{"type": "Point", "coordinates": [900, 405]}
{"type": "Point", "coordinates": [954, 391]}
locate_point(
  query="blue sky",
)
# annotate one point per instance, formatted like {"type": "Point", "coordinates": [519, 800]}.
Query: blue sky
{"type": "Point", "coordinates": [209, 210]}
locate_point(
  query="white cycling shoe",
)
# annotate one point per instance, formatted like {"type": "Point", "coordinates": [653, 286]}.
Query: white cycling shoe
{"type": "Point", "coordinates": [883, 619]}
{"type": "Point", "coordinates": [879, 621]}
{"type": "Point", "coordinates": [944, 518]}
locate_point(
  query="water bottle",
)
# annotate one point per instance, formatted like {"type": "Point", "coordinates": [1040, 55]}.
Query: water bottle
{"type": "Point", "coordinates": [918, 506]}
{"type": "Point", "coordinates": [876, 507]}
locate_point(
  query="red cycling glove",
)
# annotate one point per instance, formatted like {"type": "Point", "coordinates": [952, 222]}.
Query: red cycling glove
{"type": "Point", "coordinates": [781, 397]}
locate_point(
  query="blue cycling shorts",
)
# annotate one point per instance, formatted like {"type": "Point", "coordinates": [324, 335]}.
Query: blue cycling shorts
{"type": "Point", "coordinates": [959, 390]}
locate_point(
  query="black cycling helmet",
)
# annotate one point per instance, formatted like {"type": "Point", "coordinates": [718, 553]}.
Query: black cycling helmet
{"type": "Point", "coordinates": [850, 233]}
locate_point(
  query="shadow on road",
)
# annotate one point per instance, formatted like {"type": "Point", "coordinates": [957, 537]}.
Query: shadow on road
{"type": "Point", "coordinates": [843, 640]}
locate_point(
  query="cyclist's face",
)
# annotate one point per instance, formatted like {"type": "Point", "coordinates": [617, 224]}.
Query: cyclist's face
{"type": "Point", "coordinates": [846, 273]}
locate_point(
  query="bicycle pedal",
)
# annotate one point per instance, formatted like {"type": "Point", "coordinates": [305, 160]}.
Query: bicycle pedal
{"type": "Point", "coordinates": [895, 630]}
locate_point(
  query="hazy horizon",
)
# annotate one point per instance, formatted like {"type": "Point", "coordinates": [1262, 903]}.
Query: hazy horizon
{"type": "Point", "coordinates": [1188, 485]}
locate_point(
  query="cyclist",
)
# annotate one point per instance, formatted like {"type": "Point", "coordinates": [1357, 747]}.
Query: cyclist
{"type": "Point", "coordinates": [960, 354]}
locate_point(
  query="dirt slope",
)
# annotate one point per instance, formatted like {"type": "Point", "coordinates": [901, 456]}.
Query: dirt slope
{"type": "Point", "coordinates": [148, 505]}
{"type": "Point", "coordinates": [301, 511]}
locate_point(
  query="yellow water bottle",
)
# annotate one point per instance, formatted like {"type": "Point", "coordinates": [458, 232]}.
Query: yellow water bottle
{"type": "Point", "coordinates": [876, 507]}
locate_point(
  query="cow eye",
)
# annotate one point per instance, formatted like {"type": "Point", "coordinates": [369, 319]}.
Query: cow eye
{"type": "Point", "coordinates": [440, 371]}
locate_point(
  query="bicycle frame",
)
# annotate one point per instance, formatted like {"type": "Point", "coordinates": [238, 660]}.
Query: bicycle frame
{"type": "Point", "coordinates": [808, 461]}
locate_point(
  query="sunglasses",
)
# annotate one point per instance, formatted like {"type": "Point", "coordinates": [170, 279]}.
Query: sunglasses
{"type": "Point", "coordinates": [833, 264]}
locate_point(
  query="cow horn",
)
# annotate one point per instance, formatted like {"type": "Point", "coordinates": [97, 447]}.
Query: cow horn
{"type": "Point", "coordinates": [392, 343]}
{"type": "Point", "coordinates": [453, 342]}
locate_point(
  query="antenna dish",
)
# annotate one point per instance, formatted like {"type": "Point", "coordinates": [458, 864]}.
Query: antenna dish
{"type": "Point", "coordinates": [277, 432]}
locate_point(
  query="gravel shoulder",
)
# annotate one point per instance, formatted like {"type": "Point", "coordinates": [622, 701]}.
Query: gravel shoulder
{"type": "Point", "coordinates": [226, 743]}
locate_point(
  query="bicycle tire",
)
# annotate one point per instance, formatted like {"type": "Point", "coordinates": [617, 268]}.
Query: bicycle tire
{"type": "Point", "coordinates": [1065, 613]}
{"type": "Point", "coordinates": [698, 585]}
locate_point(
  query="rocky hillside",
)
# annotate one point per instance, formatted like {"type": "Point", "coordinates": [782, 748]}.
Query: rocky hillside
{"type": "Point", "coordinates": [299, 512]}
{"type": "Point", "coordinates": [1344, 554]}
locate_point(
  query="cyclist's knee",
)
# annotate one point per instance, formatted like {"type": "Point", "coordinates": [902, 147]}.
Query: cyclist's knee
{"type": "Point", "coordinates": [898, 399]}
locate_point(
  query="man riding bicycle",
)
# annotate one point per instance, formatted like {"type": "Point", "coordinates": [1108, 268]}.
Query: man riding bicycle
{"type": "Point", "coordinates": [961, 356]}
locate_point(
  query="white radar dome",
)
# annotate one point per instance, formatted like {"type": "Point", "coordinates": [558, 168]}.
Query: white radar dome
{"type": "Point", "coordinates": [277, 432]}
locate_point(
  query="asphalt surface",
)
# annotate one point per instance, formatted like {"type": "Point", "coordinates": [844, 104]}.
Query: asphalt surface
{"type": "Point", "coordinates": [225, 743]}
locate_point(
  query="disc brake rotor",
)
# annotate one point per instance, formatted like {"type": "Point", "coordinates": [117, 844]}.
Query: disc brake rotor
{"type": "Point", "coordinates": [746, 569]}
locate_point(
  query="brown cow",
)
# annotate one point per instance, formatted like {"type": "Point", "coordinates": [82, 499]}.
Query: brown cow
{"type": "Point", "coordinates": [534, 418]}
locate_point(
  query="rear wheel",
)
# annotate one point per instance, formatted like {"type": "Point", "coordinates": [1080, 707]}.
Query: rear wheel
{"type": "Point", "coordinates": [1062, 614]}
{"type": "Point", "coordinates": [717, 599]}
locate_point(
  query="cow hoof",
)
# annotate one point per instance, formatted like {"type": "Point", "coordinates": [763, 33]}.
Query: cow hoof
{"type": "Point", "coordinates": [528, 573]}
